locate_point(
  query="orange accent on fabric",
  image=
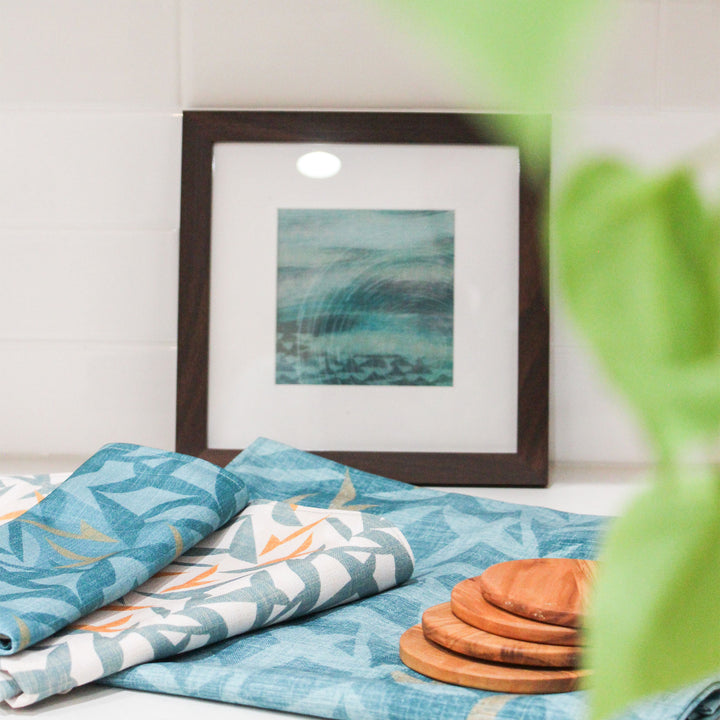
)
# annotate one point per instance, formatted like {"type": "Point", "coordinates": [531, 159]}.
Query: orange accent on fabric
{"type": "Point", "coordinates": [120, 608]}
{"type": "Point", "coordinates": [11, 515]}
{"type": "Point", "coordinates": [197, 581]}
{"type": "Point", "coordinates": [112, 626]}
{"type": "Point", "coordinates": [298, 552]}
{"type": "Point", "coordinates": [275, 542]}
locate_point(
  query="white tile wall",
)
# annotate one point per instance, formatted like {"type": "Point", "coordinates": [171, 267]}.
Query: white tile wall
{"type": "Point", "coordinates": [690, 71]}
{"type": "Point", "coordinates": [303, 53]}
{"type": "Point", "coordinates": [589, 421]}
{"type": "Point", "coordinates": [90, 96]}
{"type": "Point", "coordinates": [88, 169]}
{"type": "Point", "coordinates": [61, 397]}
{"type": "Point", "coordinates": [89, 209]}
{"type": "Point", "coordinates": [622, 60]}
{"type": "Point", "coordinates": [110, 54]}
{"type": "Point", "coordinates": [89, 285]}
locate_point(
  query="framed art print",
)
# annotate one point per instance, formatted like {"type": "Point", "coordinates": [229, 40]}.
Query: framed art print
{"type": "Point", "coordinates": [366, 286]}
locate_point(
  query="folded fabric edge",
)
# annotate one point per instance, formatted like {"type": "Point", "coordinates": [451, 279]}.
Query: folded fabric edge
{"type": "Point", "coordinates": [25, 685]}
{"type": "Point", "coordinates": [15, 635]}
{"type": "Point", "coordinates": [8, 687]}
{"type": "Point", "coordinates": [224, 471]}
{"type": "Point", "coordinates": [705, 703]}
{"type": "Point", "coordinates": [262, 453]}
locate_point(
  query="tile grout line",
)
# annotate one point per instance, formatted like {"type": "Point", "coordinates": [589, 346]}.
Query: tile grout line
{"type": "Point", "coordinates": [93, 343]}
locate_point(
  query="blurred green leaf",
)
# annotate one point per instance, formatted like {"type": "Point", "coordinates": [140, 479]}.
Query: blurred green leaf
{"type": "Point", "coordinates": [655, 615]}
{"type": "Point", "coordinates": [519, 51]}
{"type": "Point", "coordinates": [520, 55]}
{"type": "Point", "coordinates": [637, 262]}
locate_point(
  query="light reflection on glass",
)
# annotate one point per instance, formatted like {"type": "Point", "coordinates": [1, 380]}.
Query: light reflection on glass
{"type": "Point", "coordinates": [319, 165]}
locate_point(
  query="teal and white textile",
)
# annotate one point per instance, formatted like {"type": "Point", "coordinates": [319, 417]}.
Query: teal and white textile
{"type": "Point", "coordinates": [344, 663]}
{"type": "Point", "coordinates": [273, 562]}
{"type": "Point", "coordinates": [18, 493]}
{"type": "Point", "coordinates": [123, 515]}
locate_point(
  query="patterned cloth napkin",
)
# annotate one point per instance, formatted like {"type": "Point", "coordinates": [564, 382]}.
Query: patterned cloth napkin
{"type": "Point", "coordinates": [344, 663]}
{"type": "Point", "coordinates": [123, 515]}
{"type": "Point", "coordinates": [273, 562]}
{"type": "Point", "coordinates": [19, 493]}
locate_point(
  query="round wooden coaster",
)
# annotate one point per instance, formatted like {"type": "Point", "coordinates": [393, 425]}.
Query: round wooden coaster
{"type": "Point", "coordinates": [468, 604]}
{"type": "Point", "coordinates": [440, 625]}
{"type": "Point", "coordinates": [438, 663]}
{"type": "Point", "coordinates": [550, 590]}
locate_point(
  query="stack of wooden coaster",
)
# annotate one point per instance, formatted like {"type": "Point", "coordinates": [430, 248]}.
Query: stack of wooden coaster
{"type": "Point", "coordinates": [514, 629]}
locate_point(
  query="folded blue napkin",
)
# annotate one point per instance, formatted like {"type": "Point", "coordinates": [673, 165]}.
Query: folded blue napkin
{"type": "Point", "coordinates": [124, 514]}
{"type": "Point", "coordinates": [344, 663]}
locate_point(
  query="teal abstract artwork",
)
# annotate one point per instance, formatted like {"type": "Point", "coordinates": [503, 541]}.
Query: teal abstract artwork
{"type": "Point", "coordinates": [365, 297]}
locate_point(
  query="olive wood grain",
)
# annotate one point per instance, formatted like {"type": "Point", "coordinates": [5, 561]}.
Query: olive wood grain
{"type": "Point", "coordinates": [438, 663]}
{"type": "Point", "coordinates": [440, 625]}
{"type": "Point", "coordinates": [468, 604]}
{"type": "Point", "coordinates": [550, 590]}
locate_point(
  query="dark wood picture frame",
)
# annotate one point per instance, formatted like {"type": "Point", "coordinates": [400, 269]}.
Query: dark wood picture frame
{"type": "Point", "coordinates": [528, 466]}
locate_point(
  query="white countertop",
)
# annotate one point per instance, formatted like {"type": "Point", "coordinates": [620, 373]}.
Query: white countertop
{"type": "Point", "coordinates": [593, 489]}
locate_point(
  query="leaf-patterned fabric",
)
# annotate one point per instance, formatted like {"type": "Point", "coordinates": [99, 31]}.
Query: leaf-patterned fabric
{"type": "Point", "coordinates": [124, 514]}
{"type": "Point", "coordinates": [344, 664]}
{"type": "Point", "coordinates": [18, 493]}
{"type": "Point", "coordinates": [273, 562]}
